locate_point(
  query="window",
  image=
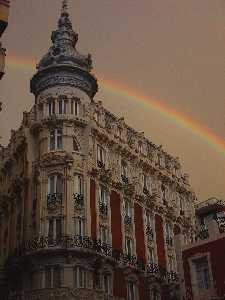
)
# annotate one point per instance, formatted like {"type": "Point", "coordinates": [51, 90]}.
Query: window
{"type": "Point", "coordinates": [79, 277]}
{"type": "Point", "coordinates": [75, 145]}
{"type": "Point", "coordinates": [55, 229]}
{"type": "Point", "coordinates": [202, 273]}
{"type": "Point", "coordinates": [75, 106]}
{"type": "Point", "coordinates": [146, 184]}
{"type": "Point", "coordinates": [55, 190]}
{"type": "Point", "coordinates": [169, 234]}
{"type": "Point", "coordinates": [149, 225]}
{"type": "Point", "coordinates": [79, 224]}
{"type": "Point", "coordinates": [62, 106]}
{"type": "Point", "coordinates": [100, 156]}
{"type": "Point", "coordinates": [51, 107]}
{"type": "Point", "coordinates": [163, 191]}
{"type": "Point", "coordinates": [78, 184]}
{"type": "Point", "coordinates": [102, 194]}
{"type": "Point", "coordinates": [171, 264]}
{"type": "Point", "coordinates": [124, 171]}
{"type": "Point", "coordinates": [56, 139]}
{"type": "Point", "coordinates": [53, 277]}
{"type": "Point", "coordinates": [103, 281]}
{"type": "Point", "coordinates": [151, 256]}
{"type": "Point", "coordinates": [131, 291]}
{"type": "Point", "coordinates": [128, 246]}
{"type": "Point", "coordinates": [103, 234]}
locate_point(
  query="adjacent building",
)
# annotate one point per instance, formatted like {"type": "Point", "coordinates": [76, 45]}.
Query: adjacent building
{"type": "Point", "coordinates": [89, 207]}
{"type": "Point", "coordinates": [204, 259]}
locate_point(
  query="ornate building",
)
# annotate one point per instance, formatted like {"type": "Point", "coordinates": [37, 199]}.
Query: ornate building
{"type": "Point", "coordinates": [89, 208]}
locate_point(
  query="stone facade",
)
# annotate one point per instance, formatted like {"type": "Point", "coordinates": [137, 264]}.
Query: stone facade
{"type": "Point", "coordinates": [89, 208]}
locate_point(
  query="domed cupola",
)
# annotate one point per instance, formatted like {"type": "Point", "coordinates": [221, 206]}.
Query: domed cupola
{"type": "Point", "coordinates": [63, 64]}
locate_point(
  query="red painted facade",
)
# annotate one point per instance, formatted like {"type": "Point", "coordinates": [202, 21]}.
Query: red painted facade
{"type": "Point", "coordinates": [139, 232]}
{"type": "Point", "coordinates": [216, 250]}
{"type": "Point", "coordinates": [119, 284]}
{"type": "Point", "coordinates": [116, 221]}
{"type": "Point", "coordinates": [160, 241]}
{"type": "Point", "coordinates": [93, 209]}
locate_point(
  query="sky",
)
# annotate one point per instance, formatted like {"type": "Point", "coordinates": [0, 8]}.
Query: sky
{"type": "Point", "coordinates": [170, 50]}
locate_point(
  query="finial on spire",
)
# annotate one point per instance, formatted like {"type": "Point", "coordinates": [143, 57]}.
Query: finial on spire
{"type": "Point", "coordinates": [65, 7]}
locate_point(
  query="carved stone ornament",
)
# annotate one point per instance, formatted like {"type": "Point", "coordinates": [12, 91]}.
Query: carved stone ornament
{"type": "Point", "coordinates": [56, 158]}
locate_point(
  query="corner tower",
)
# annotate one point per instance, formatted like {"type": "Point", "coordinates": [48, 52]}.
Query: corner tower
{"type": "Point", "coordinates": [63, 65]}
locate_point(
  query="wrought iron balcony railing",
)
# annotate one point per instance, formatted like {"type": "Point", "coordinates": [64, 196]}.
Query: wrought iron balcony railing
{"type": "Point", "coordinates": [125, 179]}
{"type": "Point", "coordinates": [169, 241]}
{"type": "Point", "coordinates": [103, 209]}
{"type": "Point", "coordinates": [127, 220]}
{"type": "Point", "coordinates": [149, 232]}
{"type": "Point", "coordinates": [146, 191]}
{"type": "Point", "coordinates": [97, 247]}
{"type": "Point", "coordinates": [78, 200]}
{"type": "Point", "coordinates": [54, 200]}
{"type": "Point", "coordinates": [100, 164]}
{"type": "Point", "coordinates": [202, 234]}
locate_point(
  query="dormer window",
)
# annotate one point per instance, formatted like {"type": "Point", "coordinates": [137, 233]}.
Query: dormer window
{"type": "Point", "coordinates": [75, 106]}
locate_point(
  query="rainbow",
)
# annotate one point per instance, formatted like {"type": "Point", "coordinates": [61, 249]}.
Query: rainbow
{"type": "Point", "coordinates": [116, 88]}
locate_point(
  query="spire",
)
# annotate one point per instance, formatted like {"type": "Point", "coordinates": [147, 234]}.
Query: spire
{"type": "Point", "coordinates": [64, 7]}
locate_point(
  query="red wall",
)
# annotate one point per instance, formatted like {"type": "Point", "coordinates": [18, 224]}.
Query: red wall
{"type": "Point", "coordinates": [143, 289]}
{"type": "Point", "coordinates": [217, 256]}
{"type": "Point", "coordinates": [139, 232]}
{"type": "Point", "coordinates": [119, 284]}
{"type": "Point", "coordinates": [93, 209]}
{"type": "Point", "coordinates": [116, 222]}
{"type": "Point", "coordinates": [160, 241]}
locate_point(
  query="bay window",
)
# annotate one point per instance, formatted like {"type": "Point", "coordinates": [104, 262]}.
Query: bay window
{"type": "Point", "coordinates": [55, 190]}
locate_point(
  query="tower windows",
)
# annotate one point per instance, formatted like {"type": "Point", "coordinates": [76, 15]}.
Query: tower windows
{"type": "Point", "coordinates": [62, 106]}
{"type": "Point", "coordinates": [75, 107]}
{"type": "Point", "coordinates": [55, 139]}
{"type": "Point", "coordinates": [51, 107]}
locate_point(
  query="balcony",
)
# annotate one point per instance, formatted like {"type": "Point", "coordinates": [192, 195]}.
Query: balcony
{"type": "Point", "coordinates": [100, 164]}
{"type": "Point", "coordinates": [149, 233]}
{"type": "Point", "coordinates": [127, 220]}
{"type": "Point", "coordinates": [124, 179]}
{"type": "Point", "coordinates": [78, 200]}
{"type": "Point", "coordinates": [54, 200]}
{"type": "Point", "coordinates": [63, 293]}
{"type": "Point", "coordinates": [169, 241]}
{"type": "Point", "coordinates": [202, 234]}
{"type": "Point", "coordinates": [103, 209]}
